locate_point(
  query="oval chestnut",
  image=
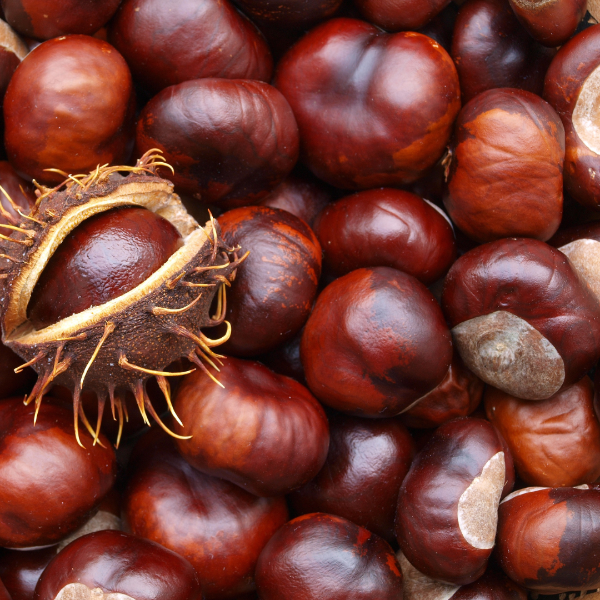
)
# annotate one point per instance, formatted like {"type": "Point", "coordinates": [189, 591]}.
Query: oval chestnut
{"type": "Point", "coordinates": [506, 173]}
{"type": "Point", "coordinates": [448, 502]}
{"type": "Point", "coordinates": [406, 15]}
{"type": "Point", "coordinates": [375, 342]}
{"type": "Point", "coordinates": [230, 142]}
{"type": "Point", "coordinates": [548, 538]}
{"type": "Point", "coordinates": [112, 563]}
{"type": "Point", "coordinates": [276, 285]}
{"type": "Point", "coordinates": [521, 318]}
{"type": "Point", "coordinates": [177, 506]}
{"type": "Point", "coordinates": [360, 480]}
{"type": "Point", "coordinates": [323, 557]}
{"type": "Point", "coordinates": [166, 44]}
{"type": "Point", "coordinates": [104, 257]}
{"type": "Point", "coordinates": [262, 431]}
{"type": "Point", "coordinates": [51, 485]}
{"type": "Point", "coordinates": [49, 123]}
{"type": "Point", "coordinates": [492, 50]}
{"type": "Point", "coordinates": [362, 126]}
{"type": "Point", "coordinates": [554, 442]}
{"type": "Point", "coordinates": [387, 228]}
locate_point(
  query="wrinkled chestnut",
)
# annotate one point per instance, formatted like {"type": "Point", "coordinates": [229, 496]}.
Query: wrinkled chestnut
{"type": "Point", "coordinates": [173, 504]}
{"type": "Point", "coordinates": [106, 256]}
{"type": "Point", "coordinates": [45, 19]}
{"type": "Point", "coordinates": [262, 431]}
{"type": "Point", "coordinates": [506, 172]}
{"type": "Point", "coordinates": [387, 228]}
{"type": "Point", "coordinates": [548, 538]}
{"type": "Point", "coordinates": [165, 44]}
{"type": "Point", "coordinates": [323, 557]}
{"type": "Point", "coordinates": [492, 50]}
{"type": "Point", "coordinates": [273, 294]}
{"type": "Point", "coordinates": [360, 480]}
{"type": "Point", "coordinates": [551, 22]}
{"type": "Point", "coordinates": [448, 503]}
{"type": "Point", "coordinates": [106, 564]}
{"type": "Point", "coordinates": [521, 318]}
{"type": "Point", "coordinates": [50, 123]}
{"type": "Point", "coordinates": [400, 16]}
{"type": "Point", "coordinates": [375, 342]}
{"type": "Point", "coordinates": [230, 141]}
{"type": "Point", "coordinates": [50, 486]}
{"type": "Point", "coordinates": [571, 87]}
{"type": "Point", "coordinates": [362, 126]}
{"type": "Point", "coordinates": [554, 442]}
{"type": "Point", "coordinates": [458, 395]}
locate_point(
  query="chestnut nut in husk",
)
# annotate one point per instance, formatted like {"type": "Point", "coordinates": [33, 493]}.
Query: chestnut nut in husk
{"type": "Point", "coordinates": [126, 338]}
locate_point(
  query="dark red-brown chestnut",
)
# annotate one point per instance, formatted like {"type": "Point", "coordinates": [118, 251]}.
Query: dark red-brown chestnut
{"type": "Point", "coordinates": [548, 538]}
{"type": "Point", "coordinates": [262, 431]}
{"type": "Point", "coordinates": [45, 19]}
{"type": "Point", "coordinates": [166, 44]}
{"type": "Point", "coordinates": [230, 141]}
{"type": "Point", "coordinates": [375, 342]}
{"type": "Point", "coordinates": [506, 173]}
{"type": "Point", "coordinates": [273, 294]}
{"type": "Point", "coordinates": [405, 15]}
{"type": "Point", "coordinates": [177, 506]}
{"type": "Point", "coordinates": [521, 318]}
{"type": "Point", "coordinates": [360, 480]}
{"type": "Point", "coordinates": [106, 564]}
{"type": "Point", "coordinates": [361, 125]}
{"type": "Point", "coordinates": [386, 228]}
{"type": "Point", "coordinates": [69, 106]}
{"type": "Point", "coordinates": [324, 557]}
{"type": "Point", "coordinates": [50, 485]}
{"type": "Point", "coordinates": [492, 50]}
{"type": "Point", "coordinates": [448, 503]}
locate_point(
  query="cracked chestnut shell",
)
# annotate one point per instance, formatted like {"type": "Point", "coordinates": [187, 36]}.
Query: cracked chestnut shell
{"type": "Point", "coordinates": [121, 343]}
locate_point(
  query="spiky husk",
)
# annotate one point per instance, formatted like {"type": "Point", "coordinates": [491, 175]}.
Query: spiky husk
{"type": "Point", "coordinates": [122, 343]}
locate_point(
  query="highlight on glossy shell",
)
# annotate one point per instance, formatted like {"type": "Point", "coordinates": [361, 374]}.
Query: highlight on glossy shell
{"type": "Point", "coordinates": [118, 345]}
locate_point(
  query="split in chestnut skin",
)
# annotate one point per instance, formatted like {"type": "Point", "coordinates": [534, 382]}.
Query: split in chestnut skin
{"type": "Point", "coordinates": [177, 506]}
{"type": "Point", "coordinates": [120, 563]}
{"type": "Point", "coordinates": [375, 342]}
{"type": "Point", "coordinates": [250, 431]}
{"type": "Point", "coordinates": [107, 255]}
{"type": "Point", "coordinates": [324, 557]}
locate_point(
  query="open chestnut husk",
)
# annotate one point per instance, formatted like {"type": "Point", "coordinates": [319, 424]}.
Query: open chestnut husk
{"type": "Point", "coordinates": [124, 341]}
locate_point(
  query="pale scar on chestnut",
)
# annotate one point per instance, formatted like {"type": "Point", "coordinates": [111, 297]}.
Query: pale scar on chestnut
{"type": "Point", "coordinates": [79, 591]}
{"type": "Point", "coordinates": [118, 345]}
{"type": "Point", "coordinates": [417, 586]}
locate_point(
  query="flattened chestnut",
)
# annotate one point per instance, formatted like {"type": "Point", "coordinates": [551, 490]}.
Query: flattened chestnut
{"type": "Point", "coordinates": [112, 563]}
{"type": "Point", "coordinates": [262, 431]}
{"type": "Point", "coordinates": [361, 124]}
{"type": "Point", "coordinates": [448, 503]}
{"type": "Point", "coordinates": [386, 228]}
{"type": "Point", "coordinates": [323, 557]}
{"type": "Point", "coordinates": [177, 506]}
{"type": "Point", "coordinates": [375, 342]}
{"type": "Point", "coordinates": [50, 123]}
{"type": "Point", "coordinates": [230, 141]}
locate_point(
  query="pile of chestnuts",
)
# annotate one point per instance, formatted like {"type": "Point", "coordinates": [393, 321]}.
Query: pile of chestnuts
{"type": "Point", "coordinates": [299, 300]}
